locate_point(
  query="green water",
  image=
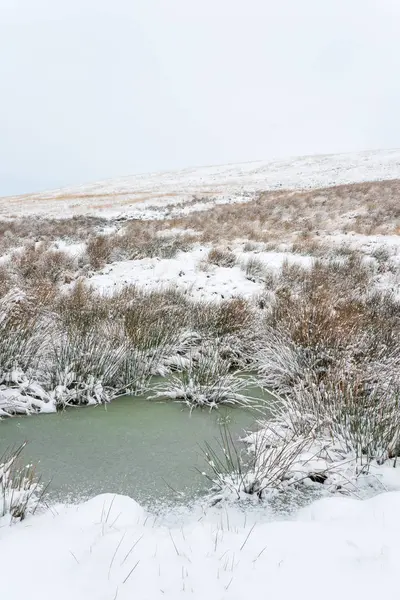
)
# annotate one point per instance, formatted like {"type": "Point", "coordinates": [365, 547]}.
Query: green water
{"type": "Point", "coordinates": [148, 450]}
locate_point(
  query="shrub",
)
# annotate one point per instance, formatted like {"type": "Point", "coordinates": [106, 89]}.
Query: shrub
{"type": "Point", "coordinates": [207, 381]}
{"type": "Point", "coordinates": [98, 251]}
{"type": "Point", "coordinates": [135, 241]}
{"type": "Point", "coordinates": [22, 338]}
{"type": "Point", "coordinates": [5, 280]}
{"type": "Point", "coordinates": [83, 368]}
{"type": "Point", "coordinates": [36, 264]}
{"type": "Point", "coordinates": [237, 475]}
{"type": "Point", "coordinates": [17, 231]}
{"type": "Point", "coordinates": [20, 489]}
{"type": "Point", "coordinates": [363, 418]}
{"type": "Point", "coordinates": [221, 258]}
{"type": "Point", "coordinates": [254, 268]}
{"type": "Point", "coordinates": [220, 319]}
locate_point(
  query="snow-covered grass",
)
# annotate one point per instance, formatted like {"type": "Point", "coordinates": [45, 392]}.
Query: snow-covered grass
{"type": "Point", "coordinates": [111, 548]}
{"type": "Point", "coordinates": [84, 348]}
{"type": "Point", "coordinates": [329, 347]}
{"type": "Point", "coordinates": [208, 381]}
{"type": "Point", "coordinates": [302, 316]}
{"type": "Point", "coordinates": [340, 438]}
{"type": "Point", "coordinates": [20, 489]}
{"type": "Point", "coordinates": [142, 196]}
{"type": "Point", "coordinates": [302, 217]}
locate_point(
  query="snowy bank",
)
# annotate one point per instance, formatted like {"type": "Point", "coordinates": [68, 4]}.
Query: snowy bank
{"type": "Point", "coordinates": [110, 548]}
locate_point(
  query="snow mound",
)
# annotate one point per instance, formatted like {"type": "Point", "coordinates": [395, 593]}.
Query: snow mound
{"type": "Point", "coordinates": [110, 548]}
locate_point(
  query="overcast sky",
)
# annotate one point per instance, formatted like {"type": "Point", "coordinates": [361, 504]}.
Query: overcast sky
{"type": "Point", "coordinates": [92, 89]}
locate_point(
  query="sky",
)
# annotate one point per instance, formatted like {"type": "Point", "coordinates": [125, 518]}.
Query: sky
{"type": "Point", "coordinates": [94, 89]}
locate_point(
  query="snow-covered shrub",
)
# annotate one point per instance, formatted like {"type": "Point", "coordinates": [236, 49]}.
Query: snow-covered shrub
{"type": "Point", "coordinates": [98, 250]}
{"type": "Point", "coordinates": [154, 319]}
{"type": "Point", "coordinates": [254, 268]}
{"type": "Point", "coordinates": [133, 242]}
{"type": "Point", "coordinates": [344, 430]}
{"type": "Point", "coordinates": [155, 327]}
{"type": "Point", "coordinates": [37, 263]}
{"type": "Point", "coordinates": [22, 343]}
{"type": "Point", "coordinates": [216, 320]}
{"type": "Point", "coordinates": [330, 348]}
{"type": "Point", "coordinates": [207, 381]}
{"type": "Point", "coordinates": [335, 438]}
{"type": "Point", "coordinates": [279, 361]}
{"type": "Point", "coordinates": [221, 257]}
{"type": "Point", "coordinates": [20, 230]}
{"type": "Point", "coordinates": [21, 340]}
{"type": "Point", "coordinates": [20, 489]}
{"type": "Point", "coordinates": [308, 245]}
{"type": "Point", "coordinates": [236, 474]}
{"type": "Point", "coordinates": [253, 247]}
{"type": "Point", "coordinates": [362, 417]}
{"type": "Point", "coordinates": [5, 280]}
{"type": "Point", "coordinates": [83, 367]}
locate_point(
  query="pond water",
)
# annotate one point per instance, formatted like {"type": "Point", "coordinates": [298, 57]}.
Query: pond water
{"type": "Point", "coordinates": [146, 449]}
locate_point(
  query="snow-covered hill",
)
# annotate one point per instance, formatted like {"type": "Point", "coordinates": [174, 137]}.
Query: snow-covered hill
{"type": "Point", "coordinates": [135, 195]}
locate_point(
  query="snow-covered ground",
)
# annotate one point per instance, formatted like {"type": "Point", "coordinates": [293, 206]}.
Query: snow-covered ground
{"type": "Point", "coordinates": [142, 196]}
{"type": "Point", "coordinates": [366, 243]}
{"type": "Point", "coordinates": [110, 549]}
{"type": "Point", "coordinates": [186, 273]}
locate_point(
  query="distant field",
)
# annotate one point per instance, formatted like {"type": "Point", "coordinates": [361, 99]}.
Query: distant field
{"type": "Point", "coordinates": [141, 196]}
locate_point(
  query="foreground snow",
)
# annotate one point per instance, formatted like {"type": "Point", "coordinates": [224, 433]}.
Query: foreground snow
{"type": "Point", "coordinates": [110, 548]}
{"type": "Point", "coordinates": [141, 196]}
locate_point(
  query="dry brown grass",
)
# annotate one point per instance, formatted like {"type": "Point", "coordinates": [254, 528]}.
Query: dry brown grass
{"type": "Point", "coordinates": [157, 314]}
{"type": "Point", "coordinates": [282, 216]}
{"type": "Point", "coordinates": [221, 257]}
{"type": "Point", "coordinates": [37, 264]}
{"type": "Point", "coordinates": [5, 280]}
{"type": "Point", "coordinates": [136, 240]}
{"type": "Point", "coordinates": [331, 307]}
{"type": "Point", "coordinates": [19, 231]}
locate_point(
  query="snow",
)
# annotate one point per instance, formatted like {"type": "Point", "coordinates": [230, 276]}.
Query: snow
{"type": "Point", "coordinates": [182, 272]}
{"type": "Point", "coordinates": [111, 548]}
{"type": "Point", "coordinates": [74, 250]}
{"type": "Point", "coordinates": [12, 401]}
{"type": "Point", "coordinates": [374, 246]}
{"type": "Point", "coordinates": [185, 272]}
{"type": "Point", "coordinates": [365, 243]}
{"type": "Point", "coordinates": [141, 196]}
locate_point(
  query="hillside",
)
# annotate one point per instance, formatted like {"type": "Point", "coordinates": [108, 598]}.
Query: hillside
{"type": "Point", "coordinates": [142, 196]}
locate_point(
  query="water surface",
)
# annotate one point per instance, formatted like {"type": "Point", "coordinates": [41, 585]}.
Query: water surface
{"type": "Point", "coordinates": [146, 449]}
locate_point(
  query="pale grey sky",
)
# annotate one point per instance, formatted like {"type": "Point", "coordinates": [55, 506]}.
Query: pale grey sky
{"type": "Point", "coordinates": [92, 89]}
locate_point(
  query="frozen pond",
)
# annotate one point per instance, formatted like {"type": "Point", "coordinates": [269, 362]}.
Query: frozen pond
{"type": "Point", "coordinates": [146, 449]}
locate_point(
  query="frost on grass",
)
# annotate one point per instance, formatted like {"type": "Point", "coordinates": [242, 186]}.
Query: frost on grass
{"type": "Point", "coordinates": [20, 489]}
{"type": "Point", "coordinates": [340, 435]}
{"type": "Point", "coordinates": [324, 439]}
{"type": "Point", "coordinates": [207, 381]}
{"type": "Point", "coordinates": [329, 348]}
{"type": "Point", "coordinates": [83, 348]}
